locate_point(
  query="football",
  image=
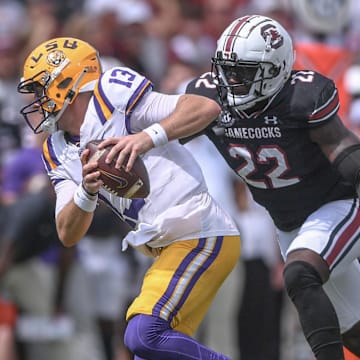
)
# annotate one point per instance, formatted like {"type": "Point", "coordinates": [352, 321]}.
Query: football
{"type": "Point", "coordinates": [131, 185]}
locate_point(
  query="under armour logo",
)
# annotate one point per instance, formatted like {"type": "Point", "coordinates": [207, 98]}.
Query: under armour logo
{"type": "Point", "coordinates": [271, 120]}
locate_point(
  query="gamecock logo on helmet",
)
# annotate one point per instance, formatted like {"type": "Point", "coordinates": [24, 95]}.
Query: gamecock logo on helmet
{"type": "Point", "coordinates": [272, 36]}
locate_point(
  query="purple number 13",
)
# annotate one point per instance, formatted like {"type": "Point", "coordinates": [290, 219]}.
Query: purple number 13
{"type": "Point", "coordinates": [122, 77]}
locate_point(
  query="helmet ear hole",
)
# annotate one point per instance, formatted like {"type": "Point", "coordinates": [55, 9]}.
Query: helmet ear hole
{"type": "Point", "coordinates": [274, 71]}
{"type": "Point", "coordinates": [65, 83]}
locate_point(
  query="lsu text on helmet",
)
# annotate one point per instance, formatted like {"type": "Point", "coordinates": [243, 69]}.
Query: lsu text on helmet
{"type": "Point", "coordinates": [253, 60]}
{"type": "Point", "coordinates": [55, 72]}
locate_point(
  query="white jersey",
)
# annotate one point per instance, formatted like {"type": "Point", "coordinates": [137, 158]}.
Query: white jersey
{"type": "Point", "coordinates": [179, 206]}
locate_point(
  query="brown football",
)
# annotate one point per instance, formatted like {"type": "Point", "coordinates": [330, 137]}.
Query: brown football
{"type": "Point", "coordinates": [133, 184]}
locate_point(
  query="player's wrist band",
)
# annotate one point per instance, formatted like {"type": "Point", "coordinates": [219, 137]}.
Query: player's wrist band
{"type": "Point", "coordinates": [158, 134]}
{"type": "Point", "coordinates": [84, 200]}
{"type": "Point", "coordinates": [87, 191]}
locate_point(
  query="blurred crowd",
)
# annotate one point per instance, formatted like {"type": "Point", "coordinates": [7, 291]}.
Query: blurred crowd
{"type": "Point", "coordinates": [58, 303]}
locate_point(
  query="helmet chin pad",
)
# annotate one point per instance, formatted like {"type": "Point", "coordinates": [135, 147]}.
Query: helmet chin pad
{"type": "Point", "coordinates": [49, 125]}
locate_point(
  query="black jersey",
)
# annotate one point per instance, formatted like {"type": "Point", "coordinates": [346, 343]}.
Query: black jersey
{"type": "Point", "coordinates": [272, 151]}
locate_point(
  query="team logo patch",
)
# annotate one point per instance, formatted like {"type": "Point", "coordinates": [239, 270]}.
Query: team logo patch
{"type": "Point", "coordinates": [225, 119]}
{"type": "Point", "coordinates": [272, 36]}
{"type": "Point", "coordinates": [55, 58]}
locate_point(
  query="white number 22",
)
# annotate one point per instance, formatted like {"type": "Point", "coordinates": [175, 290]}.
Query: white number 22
{"type": "Point", "coordinates": [275, 177]}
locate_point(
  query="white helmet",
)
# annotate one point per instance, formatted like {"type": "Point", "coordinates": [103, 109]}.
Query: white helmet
{"type": "Point", "coordinates": [254, 58]}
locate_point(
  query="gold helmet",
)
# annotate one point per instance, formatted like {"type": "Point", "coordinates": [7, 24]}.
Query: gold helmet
{"type": "Point", "coordinates": [55, 72]}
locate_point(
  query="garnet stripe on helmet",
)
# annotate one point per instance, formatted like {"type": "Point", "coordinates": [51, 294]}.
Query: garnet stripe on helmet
{"type": "Point", "coordinates": [234, 31]}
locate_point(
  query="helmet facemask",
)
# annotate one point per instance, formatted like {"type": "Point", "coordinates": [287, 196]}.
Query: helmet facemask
{"type": "Point", "coordinates": [244, 82]}
{"type": "Point", "coordinates": [253, 61]}
{"type": "Point", "coordinates": [38, 114]}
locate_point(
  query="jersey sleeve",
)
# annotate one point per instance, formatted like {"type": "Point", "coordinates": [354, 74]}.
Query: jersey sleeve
{"type": "Point", "coordinates": [51, 160]}
{"type": "Point", "coordinates": [63, 165]}
{"type": "Point", "coordinates": [326, 105]}
{"type": "Point", "coordinates": [119, 89]}
{"type": "Point", "coordinates": [64, 193]}
{"type": "Point", "coordinates": [61, 159]}
{"type": "Point", "coordinates": [154, 107]}
{"type": "Point", "coordinates": [203, 85]}
{"type": "Point", "coordinates": [312, 97]}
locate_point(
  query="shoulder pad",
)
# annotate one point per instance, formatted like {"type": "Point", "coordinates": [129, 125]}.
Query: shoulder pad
{"type": "Point", "coordinates": [203, 85]}
{"type": "Point", "coordinates": [119, 88]}
{"type": "Point", "coordinates": [314, 95]}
